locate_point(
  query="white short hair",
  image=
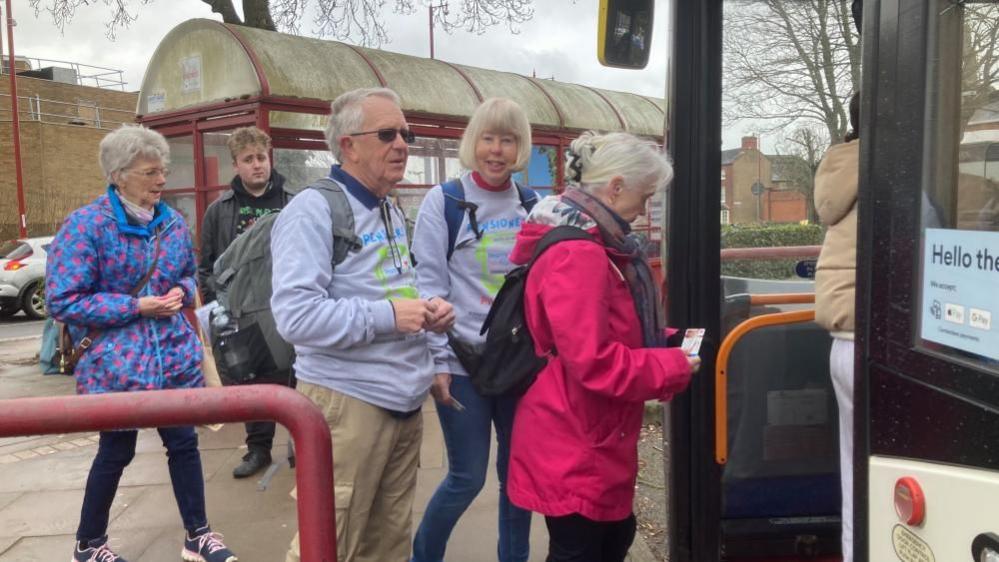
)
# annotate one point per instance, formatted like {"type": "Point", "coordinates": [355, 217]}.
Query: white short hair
{"type": "Point", "coordinates": [596, 159]}
{"type": "Point", "coordinates": [502, 116]}
{"type": "Point", "coordinates": [346, 115]}
{"type": "Point", "coordinates": [120, 147]}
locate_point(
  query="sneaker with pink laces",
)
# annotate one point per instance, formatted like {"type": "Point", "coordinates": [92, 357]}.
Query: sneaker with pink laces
{"type": "Point", "coordinates": [96, 550]}
{"type": "Point", "coordinates": [206, 546]}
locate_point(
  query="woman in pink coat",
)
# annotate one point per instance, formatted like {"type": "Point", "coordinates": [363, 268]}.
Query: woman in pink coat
{"type": "Point", "coordinates": [591, 304]}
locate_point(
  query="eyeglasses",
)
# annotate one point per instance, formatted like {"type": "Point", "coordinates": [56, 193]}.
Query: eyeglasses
{"type": "Point", "coordinates": [153, 172]}
{"type": "Point", "coordinates": [388, 135]}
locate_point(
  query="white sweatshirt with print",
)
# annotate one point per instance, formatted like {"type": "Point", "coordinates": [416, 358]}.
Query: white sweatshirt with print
{"type": "Point", "coordinates": [341, 322]}
{"type": "Point", "coordinates": [476, 269]}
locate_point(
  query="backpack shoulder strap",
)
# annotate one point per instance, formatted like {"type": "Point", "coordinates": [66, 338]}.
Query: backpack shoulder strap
{"type": "Point", "coordinates": [556, 235]}
{"type": "Point", "coordinates": [454, 210]}
{"type": "Point", "coordinates": [528, 197]}
{"type": "Point", "coordinates": [345, 240]}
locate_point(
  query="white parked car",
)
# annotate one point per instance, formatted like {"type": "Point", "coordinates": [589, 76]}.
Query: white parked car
{"type": "Point", "coordinates": [22, 277]}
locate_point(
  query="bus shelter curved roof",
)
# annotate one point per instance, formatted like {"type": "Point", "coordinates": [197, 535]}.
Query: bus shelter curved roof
{"type": "Point", "coordinates": [203, 62]}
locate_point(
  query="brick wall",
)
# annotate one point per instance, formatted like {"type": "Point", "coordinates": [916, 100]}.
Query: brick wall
{"type": "Point", "coordinates": [61, 173]}
{"type": "Point", "coordinates": [747, 168]}
{"type": "Point", "coordinates": [785, 206]}
{"type": "Point", "coordinates": [58, 159]}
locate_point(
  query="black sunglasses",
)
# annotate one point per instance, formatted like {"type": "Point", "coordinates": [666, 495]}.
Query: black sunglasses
{"type": "Point", "coordinates": [388, 135]}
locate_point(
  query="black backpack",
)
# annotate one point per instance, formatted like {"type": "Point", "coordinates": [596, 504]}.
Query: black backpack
{"type": "Point", "coordinates": [508, 364]}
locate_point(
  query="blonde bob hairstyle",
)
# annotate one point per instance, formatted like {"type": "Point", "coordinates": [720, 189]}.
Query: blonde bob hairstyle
{"type": "Point", "coordinates": [597, 159]}
{"type": "Point", "coordinates": [500, 116]}
{"type": "Point", "coordinates": [121, 147]}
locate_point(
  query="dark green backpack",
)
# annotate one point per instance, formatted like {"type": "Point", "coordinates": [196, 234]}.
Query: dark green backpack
{"type": "Point", "coordinates": [252, 350]}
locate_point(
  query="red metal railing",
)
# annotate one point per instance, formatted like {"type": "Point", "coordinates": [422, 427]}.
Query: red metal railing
{"type": "Point", "coordinates": [162, 408]}
{"type": "Point", "coordinates": [729, 254]}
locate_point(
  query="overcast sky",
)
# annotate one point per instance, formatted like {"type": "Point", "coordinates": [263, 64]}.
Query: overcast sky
{"type": "Point", "coordinates": [559, 42]}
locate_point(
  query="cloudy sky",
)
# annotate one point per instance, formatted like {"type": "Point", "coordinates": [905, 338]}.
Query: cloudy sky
{"type": "Point", "coordinates": [559, 42]}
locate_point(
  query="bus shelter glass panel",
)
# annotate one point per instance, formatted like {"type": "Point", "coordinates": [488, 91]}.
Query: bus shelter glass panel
{"type": "Point", "coordinates": [409, 200]}
{"type": "Point", "coordinates": [184, 203]}
{"type": "Point", "coordinates": [181, 162]}
{"type": "Point", "coordinates": [960, 197]}
{"type": "Point", "coordinates": [302, 167]}
{"type": "Point", "coordinates": [783, 106]}
{"type": "Point", "coordinates": [218, 159]}
{"type": "Point", "coordinates": [432, 161]}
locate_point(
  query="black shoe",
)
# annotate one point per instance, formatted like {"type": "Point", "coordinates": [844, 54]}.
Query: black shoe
{"type": "Point", "coordinates": [253, 462]}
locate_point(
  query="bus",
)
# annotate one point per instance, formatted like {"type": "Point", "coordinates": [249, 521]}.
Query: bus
{"type": "Point", "coordinates": [926, 419]}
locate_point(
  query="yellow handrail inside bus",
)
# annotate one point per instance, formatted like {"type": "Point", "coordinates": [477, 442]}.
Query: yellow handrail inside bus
{"type": "Point", "coordinates": [725, 350]}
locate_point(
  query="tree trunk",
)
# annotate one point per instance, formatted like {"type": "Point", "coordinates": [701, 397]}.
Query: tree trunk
{"type": "Point", "coordinates": [225, 8]}
{"type": "Point", "coordinates": [257, 13]}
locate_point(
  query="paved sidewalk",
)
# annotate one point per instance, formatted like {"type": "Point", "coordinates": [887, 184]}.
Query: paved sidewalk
{"type": "Point", "coordinates": [42, 479]}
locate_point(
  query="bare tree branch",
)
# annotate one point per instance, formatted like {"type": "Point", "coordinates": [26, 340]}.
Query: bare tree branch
{"type": "Point", "coordinates": [360, 21]}
{"type": "Point", "coordinates": [790, 60]}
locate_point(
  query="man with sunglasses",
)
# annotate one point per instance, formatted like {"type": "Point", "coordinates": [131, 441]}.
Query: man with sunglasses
{"type": "Point", "coordinates": [358, 325]}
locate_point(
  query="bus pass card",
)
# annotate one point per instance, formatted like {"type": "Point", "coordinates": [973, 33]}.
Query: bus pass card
{"type": "Point", "coordinates": [692, 341]}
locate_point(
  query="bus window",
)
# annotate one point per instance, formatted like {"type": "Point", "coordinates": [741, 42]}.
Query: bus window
{"type": "Point", "coordinates": [960, 195]}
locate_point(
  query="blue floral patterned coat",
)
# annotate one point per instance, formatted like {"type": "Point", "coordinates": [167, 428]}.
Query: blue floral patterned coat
{"type": "Point", "coordinates": [94, 262]}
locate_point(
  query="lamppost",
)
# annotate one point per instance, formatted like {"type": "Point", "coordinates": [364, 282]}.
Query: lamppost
{"type": "Point", "coordinates": [431, 8]}
{"type": "Point", "coordinates": [22, 222]}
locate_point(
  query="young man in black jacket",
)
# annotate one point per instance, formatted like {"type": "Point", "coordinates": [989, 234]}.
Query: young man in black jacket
{"type": "Point", "coordinates": [256, 190]}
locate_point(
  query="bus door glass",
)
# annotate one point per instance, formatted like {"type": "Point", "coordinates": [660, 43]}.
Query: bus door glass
{"type": "Point", "coordinates": [789, 69]}
{"type": "Point", "coordinates": [933, 371]}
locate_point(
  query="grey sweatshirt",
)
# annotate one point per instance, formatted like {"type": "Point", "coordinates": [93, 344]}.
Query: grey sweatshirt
{"type": "Point", "coordinates": [477, 268]}
{"type": "Point", "coordinates": [341, 322]}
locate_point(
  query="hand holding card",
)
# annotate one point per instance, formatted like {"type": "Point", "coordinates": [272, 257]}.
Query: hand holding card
{"type": "Point", "coordinates": [692, 341]}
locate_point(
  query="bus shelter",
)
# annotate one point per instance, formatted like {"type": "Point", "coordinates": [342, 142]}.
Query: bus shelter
{"type": "Point", "coordinates": [207, 78]}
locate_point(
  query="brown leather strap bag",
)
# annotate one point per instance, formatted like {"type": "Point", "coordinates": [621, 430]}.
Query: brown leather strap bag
{"type": "Point", "coordinates": [69, 355]}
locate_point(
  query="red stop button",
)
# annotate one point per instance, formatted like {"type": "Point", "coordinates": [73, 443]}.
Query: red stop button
{"type": "Point", "coordinates": [910, 503]}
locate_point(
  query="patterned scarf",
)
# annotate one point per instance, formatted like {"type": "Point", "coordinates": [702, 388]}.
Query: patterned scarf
{"type": "Point", "coordinates": [135, 212]}
{"type": "Point", "coordinates": [580, 209]}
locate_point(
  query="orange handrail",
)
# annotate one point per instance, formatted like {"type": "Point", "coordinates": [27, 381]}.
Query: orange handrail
{"type": "Point", "coordinates": [721, 365]}
{"type": "Point", "coordinates": [782, 298]}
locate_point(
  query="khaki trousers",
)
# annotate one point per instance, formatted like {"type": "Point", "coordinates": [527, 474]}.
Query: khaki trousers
{"type": "Point", "coordinates": [375, 459]}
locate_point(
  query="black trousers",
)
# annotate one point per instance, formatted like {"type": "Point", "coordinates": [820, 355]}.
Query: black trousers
{"type": "Point", "coordinates": [574, 538]}
{"type": "Point", "coordinates": [260, 434]}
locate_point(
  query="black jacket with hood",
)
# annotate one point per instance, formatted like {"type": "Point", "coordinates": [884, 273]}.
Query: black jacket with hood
{"type": "Point", "coordinates": [218, 229]}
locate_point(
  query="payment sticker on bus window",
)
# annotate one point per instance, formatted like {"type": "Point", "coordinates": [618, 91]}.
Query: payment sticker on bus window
{"type": "Point", "coordinates": [692, 341]}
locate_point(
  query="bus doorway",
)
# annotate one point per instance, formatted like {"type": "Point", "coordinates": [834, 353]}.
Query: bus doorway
{"type": "Point", "coordinates": [754, 443]}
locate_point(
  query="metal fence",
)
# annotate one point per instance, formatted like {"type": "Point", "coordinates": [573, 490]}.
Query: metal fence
{"type": "Point", "coordinates": [70, 72]}
{"type": "Point", "coordinates": [36, 108]}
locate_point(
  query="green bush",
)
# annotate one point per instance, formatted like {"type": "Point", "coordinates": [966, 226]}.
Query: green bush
{"type": "Point", "coordinates": [766, 236]}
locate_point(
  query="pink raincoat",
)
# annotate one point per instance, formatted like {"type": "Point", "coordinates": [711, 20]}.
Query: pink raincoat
{"type": "Point", "coordinates": [575, 435]}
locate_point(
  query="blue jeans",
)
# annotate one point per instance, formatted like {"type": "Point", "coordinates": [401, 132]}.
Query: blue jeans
{"type": "Point", "coordinates": [115, 451]}
{"type": "Point", "coordinates": [466, 435]}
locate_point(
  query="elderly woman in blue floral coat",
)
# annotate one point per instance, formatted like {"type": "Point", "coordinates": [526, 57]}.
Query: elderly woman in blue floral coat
{"type": "Point", "coordinates": [119, 272]}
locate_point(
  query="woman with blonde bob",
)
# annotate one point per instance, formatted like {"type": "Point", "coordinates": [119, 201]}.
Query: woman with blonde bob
{"type": "Point", "coordinates": [590, 306]}
{"type": "Point", "coordinates": [496, 144]}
